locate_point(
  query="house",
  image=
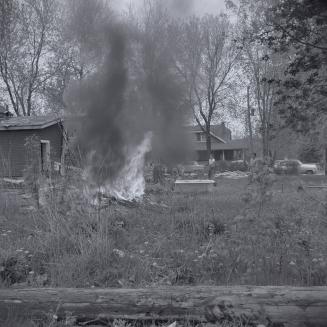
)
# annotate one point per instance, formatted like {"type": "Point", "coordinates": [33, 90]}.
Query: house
{"type": "Point", "coordinates": [223, 147]}
{"type": "Point", "coordinates": [14, 133]}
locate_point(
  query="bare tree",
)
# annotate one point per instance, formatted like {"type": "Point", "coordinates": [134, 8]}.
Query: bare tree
{"type": "Point", "coordinates": [156, 87]}
{"type": "Point", "coordinates": [264, 73]}
{"type": "Point", "coordinates": [80, 26]}
{"type": "Point", "coordinates": [262, 70]}
{"type": "Point", "coordinates": [25, 51]}
{"type": "Point", "coordinates": [6, 7]}
{"type": "Point", "coordinates": [207, 60]}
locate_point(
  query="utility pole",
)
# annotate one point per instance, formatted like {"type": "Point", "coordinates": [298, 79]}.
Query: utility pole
{"type": "Point", "coordinates": [249, 120]}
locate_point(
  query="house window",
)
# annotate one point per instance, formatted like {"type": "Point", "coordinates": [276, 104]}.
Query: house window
{"type": "Point", "coordinates": [200, 137]}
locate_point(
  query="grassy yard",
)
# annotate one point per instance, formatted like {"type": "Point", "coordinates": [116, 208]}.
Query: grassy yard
{"type": "Point", "coordinates": [219, 238]}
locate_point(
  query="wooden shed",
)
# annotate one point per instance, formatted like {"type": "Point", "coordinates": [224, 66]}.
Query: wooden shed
{"type": "Point", "coordinates": [14, 135]}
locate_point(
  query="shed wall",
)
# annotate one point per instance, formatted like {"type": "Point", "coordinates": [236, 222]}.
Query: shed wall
{"type": "Point", "coordinates": [13, 150]}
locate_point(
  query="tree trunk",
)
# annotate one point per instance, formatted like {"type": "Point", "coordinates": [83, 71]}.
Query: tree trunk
{"type": "Point", "coordinates": [249, 120]}
{"type": "Point", "coordinates": [274, 306]}
{"type": "Point", "coordinates": [158, 176]}
{"type": "Point", "coordinates": [265, 142]}
{"type": "Point", "coordinates": [208, 143]}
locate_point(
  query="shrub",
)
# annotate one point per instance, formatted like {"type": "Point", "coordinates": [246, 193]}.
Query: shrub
{"type": "Point", "coordinates": [13, 270]}
{"type": "Point", "coordinates": [311, 151]}
{"type": "Point", "coordinates": [238, 165]}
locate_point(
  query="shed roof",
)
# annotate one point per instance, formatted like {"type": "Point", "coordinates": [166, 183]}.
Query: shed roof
{"type": "Point", "coordinates": [29, 122]}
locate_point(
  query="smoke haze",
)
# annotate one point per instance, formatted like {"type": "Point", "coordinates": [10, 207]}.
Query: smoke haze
{"type": "Point", "coordinates": [180, 7]}
{"type": "Point", "coordinates": [121, 100]}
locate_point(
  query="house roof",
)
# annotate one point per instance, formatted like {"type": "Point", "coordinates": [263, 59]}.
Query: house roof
{"type": "Point", "coordinates": [236, 144]}
{"type": "Point", "coordinates": [29, 122]}
{"type": "Point", "coordinates": [216, 130]}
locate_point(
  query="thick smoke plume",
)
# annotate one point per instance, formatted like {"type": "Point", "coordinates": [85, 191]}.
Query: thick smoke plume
{"type": "Point", "coordinates": [119, 103]}
{"type": "Point", "coordinates": [180, 7]}
{"type": "Point", "coordinates": [97, 103]}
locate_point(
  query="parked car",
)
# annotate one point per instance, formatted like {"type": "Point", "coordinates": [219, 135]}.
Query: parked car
{"type": "Point", "coordinates": [288, 167]}
{"type": "Point", "coordinates": [294, 166]}
{"type": "Point", "coordinates": [308, 168]}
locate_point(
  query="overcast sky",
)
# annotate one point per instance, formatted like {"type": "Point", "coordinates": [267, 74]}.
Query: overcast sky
{"type": "Point", "coordinates": [180, 7]}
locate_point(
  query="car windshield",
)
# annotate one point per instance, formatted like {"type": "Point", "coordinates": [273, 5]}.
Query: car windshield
{"type": "Point", "coordinates": [298, 162]}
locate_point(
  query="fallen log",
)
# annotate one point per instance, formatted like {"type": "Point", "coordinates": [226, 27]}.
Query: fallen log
{"type": "Point", "coordinates": [270, 306]}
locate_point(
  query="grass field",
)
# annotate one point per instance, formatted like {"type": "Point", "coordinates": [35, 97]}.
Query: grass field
{"type": "Point", "coordinates": [169, 239]}
{"type": "Point", "coordinates": [218, 238]}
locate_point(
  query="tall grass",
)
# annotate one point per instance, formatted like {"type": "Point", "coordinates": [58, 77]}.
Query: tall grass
{"type": "Point", "coordinates": [169, 239]}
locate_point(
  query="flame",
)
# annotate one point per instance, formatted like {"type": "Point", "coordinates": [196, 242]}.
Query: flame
{"type": "Point", "coordinates": [129, 183]}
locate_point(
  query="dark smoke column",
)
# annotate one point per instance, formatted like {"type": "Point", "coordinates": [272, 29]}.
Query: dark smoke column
{"type": "Point", "coordinates": [101, 135]}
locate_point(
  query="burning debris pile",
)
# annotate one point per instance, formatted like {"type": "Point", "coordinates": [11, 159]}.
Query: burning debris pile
{"type": "Point", "coordinates": [129, 184]}
{"type": "Point", "coordinates": [124, 109]}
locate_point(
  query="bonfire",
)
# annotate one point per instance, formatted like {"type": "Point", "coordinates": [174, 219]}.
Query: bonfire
{"type": "Point", "coordinates": [129, 184]}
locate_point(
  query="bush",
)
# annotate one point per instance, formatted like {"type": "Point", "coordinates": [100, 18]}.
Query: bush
{"type": "Point", "coordinates": [310, 154]}
{"type": "Point", "coordinates": [239, 165]}
{"type": "Point", "coordinates": [14, 269]}
{"type": "Point", "coordinates": [222, 166]}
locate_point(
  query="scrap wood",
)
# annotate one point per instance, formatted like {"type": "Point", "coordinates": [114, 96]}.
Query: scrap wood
{"type": "Point", "coordinates": [104, 201]}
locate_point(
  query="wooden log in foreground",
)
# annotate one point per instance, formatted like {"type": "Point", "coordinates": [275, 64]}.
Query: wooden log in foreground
{"type": "Point", "coordinates": [273, 306]}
